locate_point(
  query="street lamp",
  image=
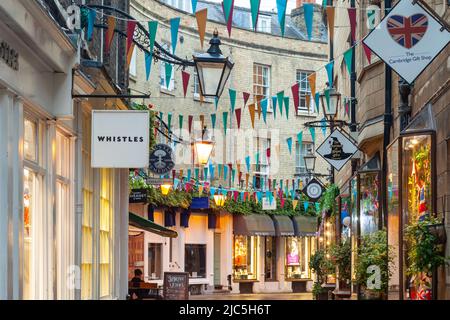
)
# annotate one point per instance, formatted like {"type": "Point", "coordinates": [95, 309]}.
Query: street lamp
{"type": "Point", "coordinates": [165, 188]}
{"type": "Point", "coordinates": [330, 105]}
{"type": "Point", "coordinates": [213, 69]}
{"type": "Point", "coordinates": [219, 200]}
{"type": "Point", "coordinates": [203, 148]}
{"type": "Point", "coordinates": [310, 162]}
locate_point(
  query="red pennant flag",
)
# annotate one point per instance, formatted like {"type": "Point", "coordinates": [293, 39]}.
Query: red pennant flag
{"type": "Point", "coordinates": [131, 25]}
{"type": "Point", "coordinates": [240, 176]}
{"type": "Point", "coordinates": [185, 76]}
{"type": "Point", "coordinates": [230, 19]}
{"type": "Point", "coordinates": [270, 184]}
{"type": "Point", "coordinates": [246, 97]}
{"type": "Point", "coordinates": [295, 89]}
{"type": "Point", "coordinates": [236, 195]}
{"type": "Point", "coordinates": [110, 32]}
{"type": "Point", "coordinates": [282, 201]}
{"type": "Point", "coordinates": [174, 174]}
{"type": "Point", "coordinates": [352, 17]}
{"type": "Point", "coordinates": [231, 166]}
{"type": "Point", "coordinates": [368, 52]}
{"type": "Point", "coordinates": [190, 118]}
{"type": "Point", "coordinates": [238, 117]}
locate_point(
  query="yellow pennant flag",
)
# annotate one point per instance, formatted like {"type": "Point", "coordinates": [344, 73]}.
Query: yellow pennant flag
{"type": "Point", "coordinates": [251, 109]}
{"type": "Point", "coordinates": [200, 190]}
{"type": "Point", "coordinates": [130, 54]}
{"type": "Point", "coordinates": [247, 176]}
{"type": "Point", "coordinates": [308, 102]}
{"type": "Point", "coordinates": [202, 120]}
{"type": "Point", "coordinates": [111, 21]}
{"type": "Point", "coordinates": [201, 16]}
{"type": "Point", "coordinates": [330, 18]}
{"type": "Point", "coordinates": [275, 195]}
{"type": "Point", "coordinates": [312, 83]}
{"type": "Point", "coordinates": [258, 109]}
{"type": "Point", "coordinates": [181, 174]}
{"type": "Point", "coordinates": [294, 204]}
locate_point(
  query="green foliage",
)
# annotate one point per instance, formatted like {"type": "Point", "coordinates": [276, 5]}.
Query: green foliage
{"type": "Point", "coordinates": [321, 266]}
{"type": "Point", "coordinates": [373, 251]}
{"type": "Point", "coordinates": [152, 119]}
{"type": "Point", "coordinates": [341, 255]}
{"type": "Point", "coordinates": [136, 182]}
{"type": "Point", "coordinates": [424, 253]}
{"type": "Point", "coordinates": [175, 199]}
{"type": "Point", "coordinates": [317, 289]}
{"type": "Point", "coordinates": [328, 199]}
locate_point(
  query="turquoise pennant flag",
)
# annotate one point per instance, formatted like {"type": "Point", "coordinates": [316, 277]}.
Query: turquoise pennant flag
{"type": "Point", "coordinates": [225, 120]}
{"type": "Point", "coordinates": [205, 173]}
{"type": "Point", "coordinates": [233, 175]}
{"type": "Point", "coordinates": [169, 120]}
{"type": "Point", "coordinates": [270, 197]}
{"type": "Point", "coordinates": [274, 106]}
{"type": "Point", "coordinates": [254, 181]}
{"type": "Point", "coordinates": [225, 172]}
{"type": "Point", "coordinates": [148, 64]}
{"type": "Point", "coordinates": [257, 158]}
{"type": "Point", "coordinates": [197, 172]}
{"type": "Point", "coordinates": [348, 57]}
{"type": "Point", "coordinates": [264, 109]}
{"type": "Point", "coordinates": [309, 13]}
{"type": "Point", "coordinates": [254, 5]}
{"type": "Point", "coordinates": [212, 191]}
{"type": "Point", "coordinates": [312, 130]}
{"type": "Point", "coordinates": [286, 105]}
{"type": "Point", "coordinates": [219, 168]}
{"type": "Point", "coordinates": [152, 28]}
{"type": "Point", "coordinates": [306, 205]}
{"type": "Point", "coordinates": [213, 120]}
{"type": "Point", "coordinates": [194, 6]}
{"type": "Point", "coordinates": [216, 102]}
{"type": "Point", "coordinates": [258, 194]}
{"type": "Point", "coordinates": [168, 69]}
{"type": "Point", "coordinates": [327, 98]}
{"type": "Point", "coordinates": [280, 98]}
{"type": "Point", "coordinates": [317, 101]}
{"type": "Point", "coordinates": [91, 21]}
{"type": "Point", "coordinates": [329, 67]}
{"type": "Point", "coordinates": [292, 194]}
{"type": "Point", "coordinates": [189, 173]}
{"type": "Point", "coordinates": [176, 182]}
{"type": "Point", "coordinates": [227, 8]}
{"type": "Point", "coordinates": [232, 94]}
{"type": "Point", "coordinates": [281, 184]}
{"type": "Point", "coordinates": [224, 192]}
{"type": "Point", "coordinates": [324, 126]}
{"type": "Point", "coordinates": [247, 162]}
{"type": "Point", "coordinates": [211, 171]}
{"type": "Point", "coordinates": [174, 25]}
{"type": "Point", "coordinates": [242, 194]}
{"type": "Point", "coordinates": [300, 138]}
{"type": "Point", "coordinates": [180, 121]}
{"type": "Point", "coordinates": [281, 9]}
{"type": "Point", "coordinates": [261, 182]}
{"type": "Point", "coordinates": [289, 143]}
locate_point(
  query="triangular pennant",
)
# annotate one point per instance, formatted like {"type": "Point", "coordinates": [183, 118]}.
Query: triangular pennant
{"type": "Point", "coordinates": [286, 105]}
{"type": "Point", "coordinates": [281, 10]}
{"type": "Point", "coordinates": [190, 118]}
{"type": "Point", "coordinates": [246, 97]}
{"type": "Point", "coordinates": [211, 171]}
{"type": "Point", "coordinates": [289, 143]}
{"type": "Point", "coordinates": [312, 130]}
{"type": "Point", "coordinates": [329, 67]}
{"type": "Point", "coordinates": [308, 102]}
{"type": "Point", "coordinates": [169, 120]}
{"type": "Point", "coordinates": [233, 175]}
{"type": "Point", "coordinates": [352, 17]}
{"type": "Point", "coordinates": [294, 204]}
{"type": "Point", "coordinates": [263, 105]}
{"type": "Point", "coordinates": [251, 109]}
{"type": "Point", "coordinates": [327, 98]}
{"type": "Point", "coordinates": [174, 26]}
{"type": "Point", "coordinates": [323, 125]}
{"type": "Point", "coordinates": [111, 22]}
{"type": "Point", "coordinates": [202, 17]}
{"type": "Point", "coordinates": [194, 5]}
{"type": "Point", "coordinates": [212, 191]}
{"type": "Point", "coordinates": [197, 172]}
{"type": "Point", "coordinates": [216, 102]}
{"type": "Point", "coordinates": [220, 169]}
{"type": "Point", "coordinates": [274, 106]}
{"type": "Point", "coordinates": [225, 172]}
{"type": "Point", "coordinates": [247, 163]}
{"type": "Point", "coordinates": [238, 117]}
{"type": "Point", "coordinates": [295, 95]}
{"type": "Point", "coordinates": [180, 121]}
{"type": "Point", "coordinates": [131, 26]}
{"type": "Point", "coordinates": [317, 101]}
{"type": "Point", "coordinates": [213, 120]}
{"type": "Point", "coordinates": [176, 182]}
{"type": "Point", "coordinates": [148, 64]}
{"type": "Point", "coordinates": [225, 120]}
{"type": "Point", "coordinates": [189, 173]}
{"type": "Point", "coordinates": [254, 5]}
{"type": "Point", "coordinates": [348, 57]}
{"type": "Point", "coordinates": [226, 6]}
{"type": "Point", "coordinates": [368, 52]}
{"type": "Point", "coordinates": [91, 21]}
{"type": "Point", "coordinates": [280, 98]}
{"type": "Point", "coordinates": [330, 19]}
{"type": "Point", "coordinates": [371, 18]}
{"type": "Point", "coordinates": [232, 94]}
{"type": "Point", "coordinates": [308, 9]}
{"type": "Point", "coordinates": [300, 138]}
{"type": "Point", "coordinates": [185, 76]}
{"type": "Point", "coordinates": [152, 28]}
{"type": "Point", "coordinates": [168, 69]}
{"type": "Point", "coordinates": [230, 19]}
{"type": "Point", "coordinates": [205, 173]}
{"type": "Point", "coordinates": [312, 83]}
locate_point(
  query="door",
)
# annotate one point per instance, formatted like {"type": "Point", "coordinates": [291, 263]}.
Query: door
{"type": "Point", "coordinates": [217, 259]}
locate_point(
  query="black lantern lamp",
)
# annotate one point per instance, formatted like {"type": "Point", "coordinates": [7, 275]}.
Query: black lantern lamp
{"type": "Point", "coordinates": [330, 107]}
{"type": "Point", "coordinates": [213, 69]}
{"type": "Point", "coordinates": [310, 162]}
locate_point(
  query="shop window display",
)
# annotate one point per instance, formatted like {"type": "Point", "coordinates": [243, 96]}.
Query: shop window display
{"type": "Point", "coordinates": [369, 202]}
{"type": "Point", "coordinates": [195, 260]}
{"type": "Point", "coordinates": [298, 253]}
{"type": "Point", "coordinates": [270, 264]}
{"type": "Point", "coordinates": [244, 260]}
{"type": "Point", "coordinates": [354, 222]}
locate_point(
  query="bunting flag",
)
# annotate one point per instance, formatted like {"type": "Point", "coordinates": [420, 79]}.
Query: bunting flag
{"type": "Point", "coordinates": [213, 120]}
{"type": "Point", "coordinates": [289, 143]}
{"type": "Point", "coordinates": [111, 22]}
{"type": "Point", "coordinates": [257, 158]}
{"type": "Point", "coordinates": [180, 122]}
{"type": "Point", "coordinates": [91, 21]}
{"type": "Point", "coordinates": [131, 26]}
{"type": "Point", "coordinates": [274, 106]}
{"type": "Point", "coordinates": [212, 191]}
{"type": "Point", "coordinates": [247, 163]}
{"type": "Point", "coordinates": [202, 120]}
{"type": "Point", "coordinates": [238, 117]}
{"type": "Point", "coordinates": [263, 105]}
{"type": "Point", "coordinates": [295, 95]}
{"type": "Point", "coordinates": [317, 101]}
{"type": "Point", "coordinates": [280, 98]}
{"type": "Point", "coordinates": [352, 17]}
{"type": "Point", "coordinates": [202, 17]}
{"type": "Point", "coordinates": [168, 69]}
{"type": "Point", "coordinates": [148, 64]}
{"type": "Point", "coordinates": [309, 17]}
{"type": "Point", "coordinates": [329, 67]}
{"type": "Point", "coordinates": [225, 120]}
{"type": "Point", "coordinates": [300, 138]}
{"type": "Point", "coordinates": [246, 97]}
{"type": "Point", "coordinates": [247, 176]}
{"type": "Point", "coordinates": [205, 173]}
{"type": "Point", "coordinates": [294, 204]}
{"type": "Point", "coordinates": [324, 126]}
{"type": "Point", "coordinates": [230, 19]}
{"type": "Point", "coordinates": [176, 182]}
{"type": "Point", "coordinates": [169, 120]}
{"type": "Point", "coordinates": [197, 172]}
{"type": "Point", "coordinates": [330, 19]}
{"type": "Point", "coordinates": [226, 6]}
{"type": "Point", "coordinates": [174, 26]}
{"type": "Point", "coordinates": [305, 205]}
{"type": "Point", "coordinates": [194, 5]}
{"type": "Point", "coordinates": [225, 172]}
{"type": "Point", "coordinates": [312, 130]}
{"type": "Point", "coordinates": [308, 102]}
{"type": "Point", "coordinates": [286, 105]}
{"type": "Point", "coordinates": [371, 19]}
{"type": "Point", "coordinates": [220, 169]}
{"type": "Point", "coordinates": [232, 94]}
{"type": "Point", "coordinates": [251, 110]}
{"type": "Point", "coordinates": [185, 76]}
{"type": "Point", "coordinates": [216, 102]}
{"type": "Point", "coordinates": [368, 52]}
{"type": "Point", "coordinates": [312, 83]}
{"type": "Point", "coordinates": [327, 98]}
{"type": "Point", "coordinates": [189, 173]}
{"type": "Point", "coordinates": [190, 118]}
{"type": "Point", "coordinates": [281, 10]}
{"type": "Point", "coordinates": [254, 5]}
{"type": "Point", "coordinates": [233, 175]}
{"type": "Point", "coordinates": [348, 57]}
{"type": "Point", "coordinates": [241, 196]}
{"type": "Point", "coordinates": [211, 171]}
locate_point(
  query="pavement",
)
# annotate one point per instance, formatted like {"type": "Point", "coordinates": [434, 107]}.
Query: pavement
{"type": "Point", "coordinates": [254, 296]}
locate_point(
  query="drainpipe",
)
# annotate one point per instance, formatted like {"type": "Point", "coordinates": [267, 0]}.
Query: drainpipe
{"type": "Point", "coordinates": [330, 3]}
{"type": "Point", "coordinates": [353, 85]}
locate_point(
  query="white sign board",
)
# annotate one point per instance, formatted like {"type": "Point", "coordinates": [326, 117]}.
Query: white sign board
{"type": "Point", "coordinates": [266, 205]}
{"type": "Point", "coordinates": [337, 149]}
{"type": "Point", "coordinates": [408, 39]}
{"type": "Point", "coordinates": [120, 139]}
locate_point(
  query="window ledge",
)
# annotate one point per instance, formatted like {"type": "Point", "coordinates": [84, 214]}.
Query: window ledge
{"type": "Point", "coordinates": [168, 92]}
{"type": "Point", "coordinates": [306, 114]}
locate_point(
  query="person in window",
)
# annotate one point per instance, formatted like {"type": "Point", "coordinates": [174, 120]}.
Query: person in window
{"type": "Point", "coordinates": [135, 282]}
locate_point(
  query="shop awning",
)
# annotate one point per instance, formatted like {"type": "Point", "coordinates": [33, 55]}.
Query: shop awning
{"type": "Point", "coordinates": [305, 226]}
{"type": "Point", "coordinates": [253, 225]}
{"type": "Point", "coordinates": [284, 227]}
{"type": "Point", "coordinates": [147, 225]}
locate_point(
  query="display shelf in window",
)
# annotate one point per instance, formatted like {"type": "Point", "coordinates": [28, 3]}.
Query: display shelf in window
{"type": "Point", "coordinates": [298, 253]}
{"type": "Point", "coordinates": [244, 257]}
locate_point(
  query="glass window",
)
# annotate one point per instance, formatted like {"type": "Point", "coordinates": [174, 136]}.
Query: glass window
{"type": "Point", "coordinates": [264, 24]}
{"type": "Point", "coordinates": [298, 253]}
{"type": "Point", "coordinates": [162, 78]}
{"type": "Point", "coordinates": [133, 65]}
{"type": "Point", "coordinates": [304, 90]}
{"type": "Point", "coordinates": [244, 257]}
{"type": "Point", "coordinates": [300, 153]}
{"type": "Point", "coordinates": [354, 224]}
{"type": "Point", "coordinates": [270, 259]}
{"type": "Point", "coordinates": [29, 217]}
{"type": "Point", "coordinates": [195, 260]}
{"type": "Point", "coordinates": [30, 139]}
{"type": "Point", "coordinates": [155, 261]}
{"type": "Point", "coordinates": [369, 202]}
{"type": "Point", "coordinates": [106, 236]}
{"type": "Point", "coordinates": [261, 84]}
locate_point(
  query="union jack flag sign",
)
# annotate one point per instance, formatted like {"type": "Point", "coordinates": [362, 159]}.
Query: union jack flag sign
{"type": "Point", "coordinates": [407, 31]}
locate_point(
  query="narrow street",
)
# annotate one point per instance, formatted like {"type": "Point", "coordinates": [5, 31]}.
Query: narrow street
{"type": "Point", "coordinates": [255, 296]}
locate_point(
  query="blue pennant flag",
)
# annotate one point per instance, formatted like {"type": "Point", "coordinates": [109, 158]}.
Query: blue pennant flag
{"type": "Point", "coordinates": [259, 195]}
{"type": "Point", "coordinates": [329, 67]}
{"type": "Point", "coordinates": [176, 182]}
{"type": "Point", "coordinates": [189, 175]}
{"type": "Point", "coordinates": [194, 6]}
{"type": "Point", "coordinates": [212, 191]}
{"type": "Point", "coordinates": [213, 120]}
{"type": "Point", "coordinates": [174, 25]}
{"type": "Point", "coordinates": [264, 109]}
{"type": "Point", "coordinates": [91, 21]}
{"type": "Point", "coordinates": [306, 205]}
{"type": "Point", "coordinates": [312, 130]}
{"type": "Point", "coordinates": [317, 101]}
{"type": "Point", "coordinates": [254, 182]}
{"type": "Point", "coordinates": [197, 173]}
{"type": "Point", "coordinates": [324, 126]}
{"type": "Point", "coordinates": [219, 167]}
{"type": "Point", "coordinates": [225, 172]}
{"type": "Point", "coordinates": [274, 106]}
{"type": "Point", "coordinates": [242, 193]}
{"type": "Point", "coordinates": [309, 13]}
{"type": "Point", "coordinates": [281, 9]}
{"type": "Point", "coordinates": [289, 143]}
{"type": "Point", "coordinates": [205, 173]}
{"type": "Point", "coordinates": [292, 194]}
{"type": "Point", "coordinates": [247, 162]}
{"type": "Point", "coordinates": [286, 105]}
{"type": "Point", "coordinates": [211, 171]}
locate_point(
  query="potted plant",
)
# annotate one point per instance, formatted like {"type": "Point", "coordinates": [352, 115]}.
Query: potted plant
{"type": "Point", "coordinates": [340, 255]}
{"type": "Point", "coordinates": [322, 267]}
{"type": "Point", "coordinates": [374, 258]}
{"type": "Point", "coordinates": [424, 256]}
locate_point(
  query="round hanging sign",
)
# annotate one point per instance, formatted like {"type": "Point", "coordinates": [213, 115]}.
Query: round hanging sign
{"type": "Point", "coordinates": [313, 190]}
{"type": "Point", "coordinates": [161, 159]}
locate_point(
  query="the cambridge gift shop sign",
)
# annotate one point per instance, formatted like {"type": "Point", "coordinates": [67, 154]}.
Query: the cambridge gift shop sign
{"type": "Point", "coordinates": [120, 139]}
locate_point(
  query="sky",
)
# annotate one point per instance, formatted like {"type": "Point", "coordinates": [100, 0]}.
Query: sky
{"type": "Point", "coordinates": [266, 5]}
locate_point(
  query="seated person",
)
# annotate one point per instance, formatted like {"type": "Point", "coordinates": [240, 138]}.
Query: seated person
{"type": "Point", "coordinates": [136, 282]}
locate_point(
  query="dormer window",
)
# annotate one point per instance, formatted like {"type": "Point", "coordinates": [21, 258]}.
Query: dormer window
{"type": "Point", "coordinates": [264, 24]}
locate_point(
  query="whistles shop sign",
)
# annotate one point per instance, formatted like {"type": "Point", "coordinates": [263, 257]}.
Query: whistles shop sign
{"type": "Point", "coordinates": [120, 139]}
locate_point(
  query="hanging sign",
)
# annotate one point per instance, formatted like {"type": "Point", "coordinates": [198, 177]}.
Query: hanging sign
{"type": "Point", "coordinates": [337, 149]}
{"type": "Point", "coordinates": [120, 139]}
{"type": "Point", "coordinates": [158, 181]}
{"type": "Point", "coordinates": [313, 190]}
{"type": "Point", "coordinates": [161, 159]}
{"type": "Point", "coordinates": [138, 196]}
{"type": "Point", "coordinates": [408, 39]}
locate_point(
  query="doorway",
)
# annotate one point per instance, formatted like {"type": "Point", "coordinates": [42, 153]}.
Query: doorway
{"type": "Point", "coordinates": [217, 260]}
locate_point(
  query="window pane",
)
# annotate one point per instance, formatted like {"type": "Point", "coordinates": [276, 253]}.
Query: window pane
{"type": "Point", "coordinates": [244, 258]}
{"type": "Point", "coordinates": [155, 261]}
{"type": "Point", "coordinates": [30, 140]}
{"type": "Point", "coordinates": [195, 260]}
